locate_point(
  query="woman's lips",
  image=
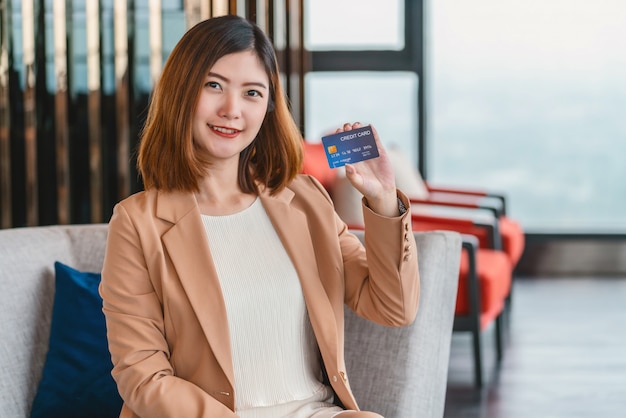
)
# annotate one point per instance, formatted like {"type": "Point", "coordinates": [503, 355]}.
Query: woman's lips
{"type": "Point", "coordinates": [223, 131]}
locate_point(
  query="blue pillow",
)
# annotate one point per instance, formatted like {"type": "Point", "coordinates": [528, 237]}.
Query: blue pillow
{"type": "Point", "coordinates": [76, 380]}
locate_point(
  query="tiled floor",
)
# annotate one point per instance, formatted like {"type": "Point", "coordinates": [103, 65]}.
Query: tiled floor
{"type": "Point", "coordinates": [565, 355]}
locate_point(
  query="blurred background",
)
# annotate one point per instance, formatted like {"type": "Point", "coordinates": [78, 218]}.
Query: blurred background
{"type": "Point", "coordinates": [522, 97]}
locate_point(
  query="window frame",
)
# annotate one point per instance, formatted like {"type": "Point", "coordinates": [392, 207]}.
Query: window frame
{"type": "Point", "coordinates": [408, 59]}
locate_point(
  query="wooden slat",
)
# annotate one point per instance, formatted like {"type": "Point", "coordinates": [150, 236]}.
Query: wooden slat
{"type": "Point", "coordinates": [285, 27]}
{"type": "Point", "coordinates": [269, 18]}
{"type": "Point", "coordinates": [206, 9]}
{"type": "Point", "coordinates": [61, 112]}
{"type": "Point", "coordinates": [276, 24]}
{"type": "Point", "coordinates": [295, 49]}
{"type": "Point", "coordinates": [6, 201]}
{"type": "Point", "coordinates": [220, 7]}
{"type": "Point", "coordinates": [30, 115]}
{"type": "Point", "coordinates": [156, 40]}
{"type": "Point", "coordinates": [80, 196]}
{"type": "Point", "coordinates": [92, 15]}
{"type": "Point", "coordinates": [193, 12]}
{"type": "Point", "coordinates": [257, 13]}
{"type": "Point", "coordinates": [122, 97]}
{"type": "Point", "coordinates": [251, 10]}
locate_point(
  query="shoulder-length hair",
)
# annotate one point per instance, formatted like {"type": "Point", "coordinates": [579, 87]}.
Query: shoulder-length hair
{"type": "Point", "coordinates": [168, 159]}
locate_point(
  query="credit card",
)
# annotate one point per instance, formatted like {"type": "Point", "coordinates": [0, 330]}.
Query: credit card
{"type": "Point", "coordinates": [350, 147]}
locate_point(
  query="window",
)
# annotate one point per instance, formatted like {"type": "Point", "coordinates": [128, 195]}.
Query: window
{"type": "Point", "coordinates": [527, 98]}
{"type": "Point", "coordinates": [365, 68]}
{"type": "Point", "coordinates": [354, 25]}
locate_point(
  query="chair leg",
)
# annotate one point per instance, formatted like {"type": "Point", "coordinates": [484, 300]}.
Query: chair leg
{"type": "Point", "coordinates": [478, 363]}
{"type": "Point", "coordinates": [508, 301]}
{"type": "Point", "coordinates": [471, 246]}
{"type": "Point", "coordinates": [499, 336]}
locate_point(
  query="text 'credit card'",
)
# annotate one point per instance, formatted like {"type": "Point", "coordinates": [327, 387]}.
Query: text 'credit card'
{"type": "Point", "coordinates": [350, 146]}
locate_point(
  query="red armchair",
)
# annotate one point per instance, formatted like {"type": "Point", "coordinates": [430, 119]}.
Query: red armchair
{"type": "Point", "coordinates": [485, 274]}
{"type": "Point", "coordinates": [511, 237]}
{"type": "Point", "coordinates": [484, 289]}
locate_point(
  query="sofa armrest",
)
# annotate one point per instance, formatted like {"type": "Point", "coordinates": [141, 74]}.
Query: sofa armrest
{"type": "Point", "coordinates": [403, 372]}
{"type": "Point", "coordinates": [27, 257]}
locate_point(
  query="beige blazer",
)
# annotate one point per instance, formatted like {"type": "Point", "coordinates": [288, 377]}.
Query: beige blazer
{"type": "Point", "coordinates": [166, 318]}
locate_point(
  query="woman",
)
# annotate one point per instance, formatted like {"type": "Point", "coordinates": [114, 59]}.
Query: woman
{"type": "Point", "coordinates": [224, 281]}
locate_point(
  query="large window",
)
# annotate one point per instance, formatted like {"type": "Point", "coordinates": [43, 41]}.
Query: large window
{"type": "Point", "coordinates": [528, 98]}
{"type": "Point", "coordinates": [365, 69]}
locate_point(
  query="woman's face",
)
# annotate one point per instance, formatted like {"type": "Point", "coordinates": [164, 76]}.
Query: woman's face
{"type": "Point", "coordinates": [232, 105]}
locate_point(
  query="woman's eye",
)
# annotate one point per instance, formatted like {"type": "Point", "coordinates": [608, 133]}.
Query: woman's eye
{"type": "Point", "coordinates": [254, 93]}
{"type": "Point", "coordinates": [213, 84]}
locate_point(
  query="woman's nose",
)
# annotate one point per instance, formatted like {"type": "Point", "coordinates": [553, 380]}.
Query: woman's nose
{"type": "Point", "coordinates": [230, 108]}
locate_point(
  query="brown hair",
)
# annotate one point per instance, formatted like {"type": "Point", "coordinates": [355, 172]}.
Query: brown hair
{"type": "Point", "coordinates": [168, 159]}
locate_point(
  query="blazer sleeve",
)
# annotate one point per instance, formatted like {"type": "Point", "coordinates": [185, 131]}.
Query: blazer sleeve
{"type": "Point", "coordinates": [135, 332]}
{"type": "Point", "coordinates": [382, 286]}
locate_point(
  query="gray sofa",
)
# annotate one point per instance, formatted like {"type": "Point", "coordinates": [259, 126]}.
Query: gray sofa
{"type": "Point", "coordinates": [397, 372]}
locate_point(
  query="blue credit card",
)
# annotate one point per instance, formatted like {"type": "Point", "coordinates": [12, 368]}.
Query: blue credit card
{"type": "Point", "coordinates": [350, 146]}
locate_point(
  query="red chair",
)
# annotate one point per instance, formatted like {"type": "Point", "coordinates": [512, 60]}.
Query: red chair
{"type": "Point", "coordinates": [485, 281]}
{"type": "Point", "coordinates": [471, 204]}
{"type": "Point", "coordinates": [315, 164]}
{"type": "Point", "coordinates": [464, 211]}
{"type": "Point", "coordinates": [511, 238]}
{"type": "Point", "coordinates": [485, 274]}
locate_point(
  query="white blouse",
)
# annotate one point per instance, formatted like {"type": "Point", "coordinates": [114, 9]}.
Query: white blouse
{"type": "Point", "coordinates": [275, 355]}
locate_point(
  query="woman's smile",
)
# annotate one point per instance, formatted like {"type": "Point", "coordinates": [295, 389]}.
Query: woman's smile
{"type": "Point", "coordinates": [224, 131]}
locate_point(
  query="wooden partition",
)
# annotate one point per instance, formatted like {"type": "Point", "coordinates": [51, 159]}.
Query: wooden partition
{"type": "Point", "coordinates": [75, 83]}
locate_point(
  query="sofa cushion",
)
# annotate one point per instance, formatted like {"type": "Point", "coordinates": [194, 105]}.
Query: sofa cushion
{"type": "Point", "coordinates": [76, 380]}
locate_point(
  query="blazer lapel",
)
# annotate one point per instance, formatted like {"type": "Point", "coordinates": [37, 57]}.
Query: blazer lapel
{"type": "Point", "coordinates": [292, 228]}
{"type": "Point", "coordinates": [188, 248]}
